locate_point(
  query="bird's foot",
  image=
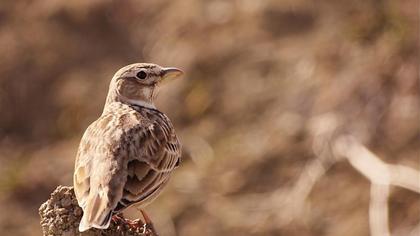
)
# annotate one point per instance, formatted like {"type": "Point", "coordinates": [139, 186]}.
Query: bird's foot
{"type": "Point", "coordinates": [118, 218]}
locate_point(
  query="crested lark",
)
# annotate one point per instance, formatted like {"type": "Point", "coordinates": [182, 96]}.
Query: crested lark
{"type": "Point", "coordinates": [127, 155]}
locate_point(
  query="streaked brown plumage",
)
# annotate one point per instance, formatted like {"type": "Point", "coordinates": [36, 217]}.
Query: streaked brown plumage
{"type": "Point", "coordinates": [127, 155]}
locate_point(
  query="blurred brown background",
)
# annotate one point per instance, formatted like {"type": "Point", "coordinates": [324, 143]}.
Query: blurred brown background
{"type": "Point", "coordinates": [258, 75]}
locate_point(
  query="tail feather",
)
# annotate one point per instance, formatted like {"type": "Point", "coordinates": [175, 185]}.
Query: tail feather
{"type": "Point", "coordinates": [96, 214]}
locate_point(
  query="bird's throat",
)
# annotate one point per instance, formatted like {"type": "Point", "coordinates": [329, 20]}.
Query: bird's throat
{"type": "Point", "coordinates": [140, 103]}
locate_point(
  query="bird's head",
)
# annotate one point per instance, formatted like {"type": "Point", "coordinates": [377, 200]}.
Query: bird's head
{"type": "Point", "coordinates": [137, 83]}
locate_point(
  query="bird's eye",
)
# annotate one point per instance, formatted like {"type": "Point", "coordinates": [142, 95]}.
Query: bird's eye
{"type": "Point", "coordinates": [141, 75]}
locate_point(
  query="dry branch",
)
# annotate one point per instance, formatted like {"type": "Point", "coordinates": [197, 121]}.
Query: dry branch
{"type": "Point", "coordinates": [284, 205]}
{"type": "Point", "coordinates": [60, 215]}
{"type": "Point", "coordinates": [382, 175]}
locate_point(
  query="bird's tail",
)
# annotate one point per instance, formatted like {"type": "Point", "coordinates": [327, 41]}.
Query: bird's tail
{"type": "Point", "coordinates": [96, 213]}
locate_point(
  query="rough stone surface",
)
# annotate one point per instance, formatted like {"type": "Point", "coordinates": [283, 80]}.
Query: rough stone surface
{"type": "Point", "coordinates": [60, 215]}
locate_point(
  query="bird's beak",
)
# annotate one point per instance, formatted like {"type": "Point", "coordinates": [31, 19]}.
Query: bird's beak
{"type": "Point", "coordinates": [171, 73]}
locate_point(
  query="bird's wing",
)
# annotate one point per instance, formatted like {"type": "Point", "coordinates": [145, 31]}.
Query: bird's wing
{"type": "Point", "coordinates": [154, 151]}
{"type": "Point", "coordinates": [123, 160]}
{"type": "Point", "coordinates": [99, 171]}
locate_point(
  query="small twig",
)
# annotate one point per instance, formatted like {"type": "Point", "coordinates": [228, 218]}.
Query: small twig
{"type": "Point", "coordinates": [382, 175]}
{"type": "Point", "coordinates": [378, 210]}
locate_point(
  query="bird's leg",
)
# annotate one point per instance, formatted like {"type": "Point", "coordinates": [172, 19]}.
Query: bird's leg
{"type": "Point", "coordinates": [148, 223]}
{"type": "Point", "coordinates": [140, 224]}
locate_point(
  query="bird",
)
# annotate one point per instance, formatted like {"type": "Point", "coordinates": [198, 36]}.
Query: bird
{"type": "Point", "coordinates": [127, 155]}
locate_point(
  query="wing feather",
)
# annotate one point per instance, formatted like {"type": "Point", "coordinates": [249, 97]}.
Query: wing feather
{"type": "Point", "coordinates": [159, 155]}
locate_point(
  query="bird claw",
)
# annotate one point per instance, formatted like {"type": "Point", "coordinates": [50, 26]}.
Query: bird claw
{"type": "Point", "coordinates": [135, 223]}
{"type": "Point", "coordinates": [146, 225]}
{"type": "Point", "coordinates": [144, 228]}
{"type": "Point", "coordinates": [119, 218]}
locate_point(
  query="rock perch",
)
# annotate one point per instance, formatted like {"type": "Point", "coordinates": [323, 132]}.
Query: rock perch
{"type": "Point", "coordinates": [61, 214]}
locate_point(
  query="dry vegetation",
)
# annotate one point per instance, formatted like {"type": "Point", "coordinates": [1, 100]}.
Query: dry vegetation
{"type": "Point", "coordinates": [270, 88]}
